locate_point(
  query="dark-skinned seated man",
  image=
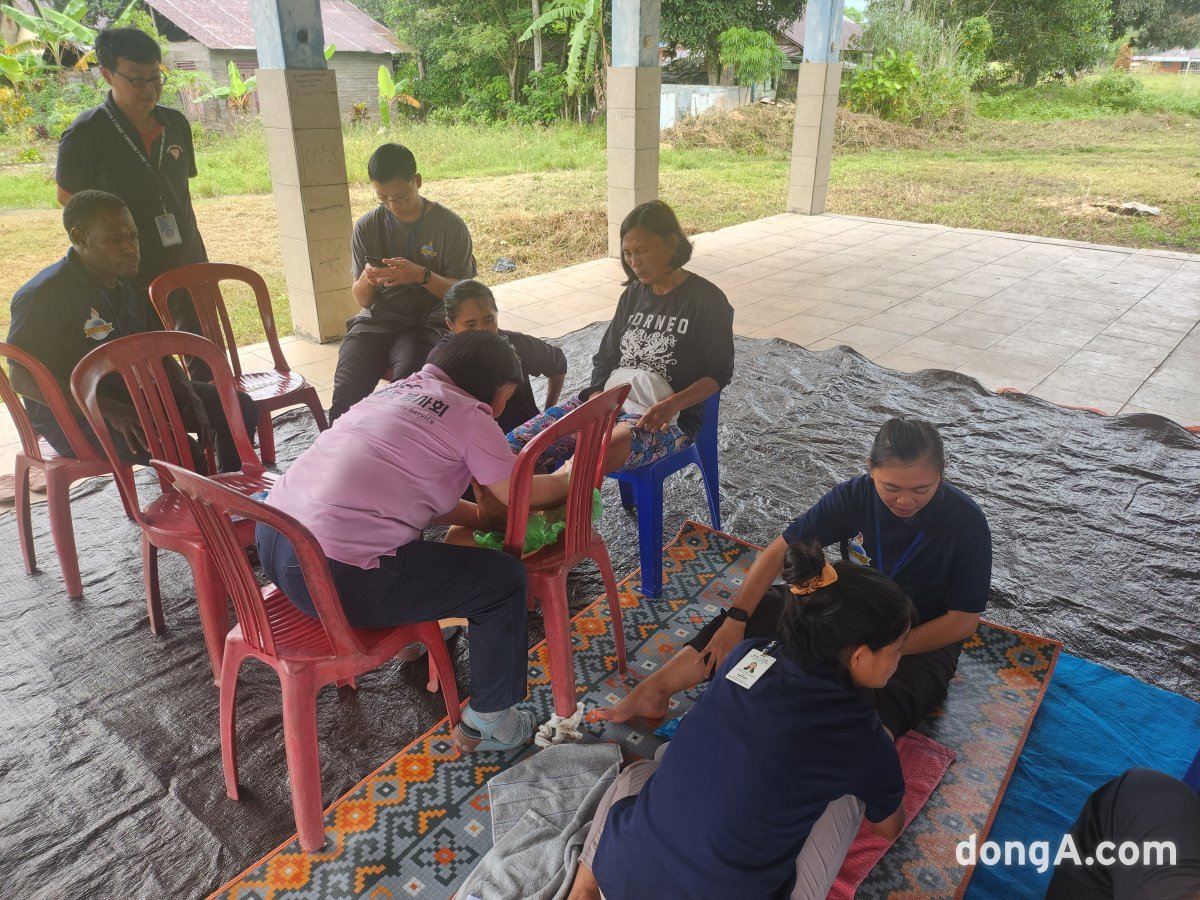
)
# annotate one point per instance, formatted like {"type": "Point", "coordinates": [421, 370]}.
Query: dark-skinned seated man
{"type": "Point", "coordinates": [86, 299]}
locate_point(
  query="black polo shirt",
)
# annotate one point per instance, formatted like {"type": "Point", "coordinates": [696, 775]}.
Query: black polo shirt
{"type": "Point", "coordinates": [94, 154]}
{"type": "Point", "coordinates": [942, 556]}
{"type": "Point", "coordinates": [63, 313]}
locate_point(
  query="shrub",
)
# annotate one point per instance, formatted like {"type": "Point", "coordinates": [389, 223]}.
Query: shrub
{"type": "Point", "coordinates": [1118, 90]}
{"type": "Point", "coordinates": [947, 60]}
{"type": "Point", "coordinates": [887, 86]}
{"type": "Point", "coordinates": [544, 94]}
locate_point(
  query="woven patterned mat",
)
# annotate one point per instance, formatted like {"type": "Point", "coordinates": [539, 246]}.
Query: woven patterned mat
{"type": "Point", "coordinates": [418, 824]}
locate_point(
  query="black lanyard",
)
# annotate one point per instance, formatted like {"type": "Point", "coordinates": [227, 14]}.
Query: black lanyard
{"type": "Point", "coordinates": [389, 222]}
{"type": "Point", "coordinates": [138, 152]}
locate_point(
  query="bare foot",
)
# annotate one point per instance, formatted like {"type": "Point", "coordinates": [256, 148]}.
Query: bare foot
{"type": "Point", "coordinates": [585, 886]}
{"type": "Point", "coordinates": [642, 701]}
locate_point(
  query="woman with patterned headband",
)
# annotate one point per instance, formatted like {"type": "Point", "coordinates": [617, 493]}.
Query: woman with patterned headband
{"type": "Point", "coordinates": [769, 777]}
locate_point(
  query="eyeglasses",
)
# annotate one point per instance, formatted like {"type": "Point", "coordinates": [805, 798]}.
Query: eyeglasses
{"type": "Point", "coordinates": [142, 83]}
{"type": "Point", "coordinates": [396, 199]}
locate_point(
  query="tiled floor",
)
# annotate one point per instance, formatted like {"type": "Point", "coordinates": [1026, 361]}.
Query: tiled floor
{"type": "Point", "coordinates": [1075, 324]}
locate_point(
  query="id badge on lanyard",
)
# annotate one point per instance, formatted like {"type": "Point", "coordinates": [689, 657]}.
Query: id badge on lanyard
{"type": "Point", "coordinates": [168, 228]}
{"type": "Point", "coordinates": [752, 667]}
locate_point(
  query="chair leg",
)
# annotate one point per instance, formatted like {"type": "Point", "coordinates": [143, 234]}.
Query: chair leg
{"type": "Point", "coordinates": [266, 436]}
{"type": "Point", "coordinates": [649, 496]}
{"type": "Point", "coordinates": [627, 498]}
{"type": "Point", "coordinates": [24, 516]}
{"type": "Point", "coordinates": [441, 671]}
{"type": "Point", "coordinates": [213, 605]}
{"type": "Point", "coordinates": [313, 402]}
{"type": "Point", "coordinates": [153, 594]}
{"type": "Point", "coordinates": [557, 619]}
{"type": "Point", "coordinates": [230, 665]}
{"type": "Point", "coordinates": [599, 553]}
{"type": "Point", "coordinates": [710, 472]}
{"type": "Point", "coordinates": [58, 499]}
{"type": "Point", "coordinates": [303, 759]}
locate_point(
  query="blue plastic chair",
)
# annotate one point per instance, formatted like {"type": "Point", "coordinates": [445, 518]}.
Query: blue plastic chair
{"type": "Point", "coordinates": [643, 489]}
{"type": "Point", "coordinates": [1192, 777]}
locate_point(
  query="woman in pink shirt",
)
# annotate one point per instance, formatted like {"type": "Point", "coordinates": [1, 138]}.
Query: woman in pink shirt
{"type": "Point", "coordinates": [396, 462]}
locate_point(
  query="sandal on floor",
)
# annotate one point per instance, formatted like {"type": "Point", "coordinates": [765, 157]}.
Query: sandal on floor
{"type": "Point", "coordinates": [473, 734]}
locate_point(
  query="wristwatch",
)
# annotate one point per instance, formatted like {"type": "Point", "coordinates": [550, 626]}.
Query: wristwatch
{"type": "Point", "coordinates": [427, 276]}
{"type": "Point", "coordinates": [738, 615]}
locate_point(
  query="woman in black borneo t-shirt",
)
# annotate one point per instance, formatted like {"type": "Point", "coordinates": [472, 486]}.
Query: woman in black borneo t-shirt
{"type": "Point", "coordinates": [671, 339]}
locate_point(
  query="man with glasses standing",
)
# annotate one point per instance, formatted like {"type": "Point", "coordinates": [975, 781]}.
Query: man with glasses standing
{"type": "Point", "coordinates": [408, 251]}
{"type": "Point", "coordinates": [142, 152]}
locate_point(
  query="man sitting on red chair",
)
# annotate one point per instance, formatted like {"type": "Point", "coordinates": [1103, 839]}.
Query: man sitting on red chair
{"type": "Point", "coordinates": [86, 299]}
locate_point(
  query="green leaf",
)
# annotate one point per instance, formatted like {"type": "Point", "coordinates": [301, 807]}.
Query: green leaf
{"type": "Point", "coordinates": [329, 51]}
{"type": "Point", "coordinates": [26, 21]}
{"type": "Point", "coordinates": [387, 86]}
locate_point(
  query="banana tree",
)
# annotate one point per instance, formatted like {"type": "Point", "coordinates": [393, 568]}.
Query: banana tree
{"type": "Point", "coordinates": [237, 93]}
{"type": "Point", "coordinates": [394, 90]}
{"type": "Point", "coordinates": [587, 47]}
{"type": "Point", "coordinates": [18, 68]}
{"type": "Point", "coordinates": [54, 32]}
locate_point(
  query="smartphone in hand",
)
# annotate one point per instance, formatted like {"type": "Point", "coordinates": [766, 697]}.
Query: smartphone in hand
{"type": "Point", "coordinates": [376, 262]}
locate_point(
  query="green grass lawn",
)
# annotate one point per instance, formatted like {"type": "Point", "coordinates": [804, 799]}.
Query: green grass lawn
{"type": "Point", "coordinates": [537, 195]}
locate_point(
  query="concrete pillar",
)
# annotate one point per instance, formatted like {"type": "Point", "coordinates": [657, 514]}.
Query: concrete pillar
{"type": "Point", "coordinates": [818, 83]}
{"type": "Point", "coordinates": [634, 88]}
{"type": "Point", "coordinates": [302, 123]}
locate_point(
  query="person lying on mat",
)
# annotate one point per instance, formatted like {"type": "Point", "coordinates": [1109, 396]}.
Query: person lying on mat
{"type": "Point", "coordinates": [800, 756]}
{"type": "Point", "coordinates": [471, 306]}
{"type": "Point", "coordinates": [87, 299]}
{"type": "Point", "coordinates": [399, 460]}
{"type": "Point", "coordinates": [671, 339]}
{"type": "Point", "coordinates": [1145, 808]}
{"type": "Point", "coordinates": [901, 518]}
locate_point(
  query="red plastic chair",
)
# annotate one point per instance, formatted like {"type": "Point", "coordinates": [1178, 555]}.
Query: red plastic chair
{"type": "Point", "coordinates": [306, 653]}
{"type": "Point", "coordinates": [276, 389]}
{"type": "Point", "coordinates": [592, 424]}
{"type": "Point", "coordinates": [60, 471]}
{"type": "Point", "coordinates": [166, 521]}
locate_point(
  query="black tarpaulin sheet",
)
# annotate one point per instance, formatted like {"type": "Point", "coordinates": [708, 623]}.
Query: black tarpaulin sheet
{"type": "Point", "coordinates": [109, 759]}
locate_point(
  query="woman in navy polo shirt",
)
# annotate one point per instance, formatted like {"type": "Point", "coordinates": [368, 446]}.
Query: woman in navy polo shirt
{"type": "Point", "coordinates": [801, 757]}
{"type": "Point", "coordinates": [902, 519]}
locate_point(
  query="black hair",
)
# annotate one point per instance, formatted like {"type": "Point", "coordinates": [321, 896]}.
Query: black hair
{"type": "Point", "coordinates": [658, 219]}
{"type": "Point", "coordinates": [391, 161]}
{"type": "Point", "coordinates": [462, 291]}
{"type": "Point", "coordinates": [132, 43]}
{"type": "Point", "coordinates": [83, 206]}
{"type": "Point", "coordinates": [908, 441]}
{"type": "Point", "coordinates": [862, 607]}
{"type": "Point", "coordinates": [479, 362]}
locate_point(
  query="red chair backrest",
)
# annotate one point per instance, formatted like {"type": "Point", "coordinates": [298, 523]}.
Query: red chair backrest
{"type": "Point", "coordinates": [212, 504]}
{"type": "Point", "coordinates": [55, 399]}
{"type": "Point", "coordinates": [592, 424]}
{"type": "Point", "coordinates": [138, 360]}
{"type": "Point", "coordinates": [203, 282]}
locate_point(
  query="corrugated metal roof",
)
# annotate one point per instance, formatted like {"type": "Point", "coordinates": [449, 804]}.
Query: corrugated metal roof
{"type": "Point", "coordinates": [794, 34]}
{"type": "Point", "coordinates": [1178, 54]}
{"type": "Point", "coordinates": [227, 25]}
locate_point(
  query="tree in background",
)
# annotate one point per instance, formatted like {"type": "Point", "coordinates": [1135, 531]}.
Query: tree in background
{"type": "Point", "coordinates": [754, 56]}
{"type": "Point", "coordinates": [697, 24]}
{"type": "Point", "coordinates": [1038, 36]}
{"type": "Point", "coordinates": [1157, 24]}
{"type": "Point", "coordinates": [587, 43]}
